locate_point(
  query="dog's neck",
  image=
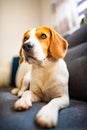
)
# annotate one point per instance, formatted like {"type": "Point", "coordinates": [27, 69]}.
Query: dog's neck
{"type": "Point", "coordinates": [48, 62]}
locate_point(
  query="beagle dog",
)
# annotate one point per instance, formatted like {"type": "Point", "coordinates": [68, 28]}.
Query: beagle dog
{"type": "Point", "coordinates": [45, 49]}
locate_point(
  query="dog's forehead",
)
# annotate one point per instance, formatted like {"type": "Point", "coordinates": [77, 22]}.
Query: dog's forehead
{"type": "Point", "coordinates": [29, 32]}
{"type": "Point", "coordinates": [33, 32]}
{"type": "Point", "coordinates": [44, 29]}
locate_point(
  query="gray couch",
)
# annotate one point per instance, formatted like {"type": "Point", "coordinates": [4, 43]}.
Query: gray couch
{"type": "Point", "coordinates": [72, 118]}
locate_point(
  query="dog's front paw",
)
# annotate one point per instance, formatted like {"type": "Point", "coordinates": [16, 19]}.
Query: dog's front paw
{"type": "Point", "coordinates": [22, 104]}
{"type": "Point", "coordinates": [20, 93]}
{"type": "Point", "coordinates": [47, 117]}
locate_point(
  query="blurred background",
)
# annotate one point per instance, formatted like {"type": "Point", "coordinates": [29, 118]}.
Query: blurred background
{"type": "Point", "coordinates": [16, 16]}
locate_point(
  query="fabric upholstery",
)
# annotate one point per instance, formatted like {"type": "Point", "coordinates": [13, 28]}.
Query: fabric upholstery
{"type": "Point", "coordinates": [76, 60]}
{"type": "Point", "coordinates": [72, 118]}
{"type": "Point", "coordinates": [78, 78]}
{"type": "Point", "coordinates": [15, 64]}
{"type": "Point", "coordinates": [78, 37]}
{"type": "Point", "coordinates": [76, 51]}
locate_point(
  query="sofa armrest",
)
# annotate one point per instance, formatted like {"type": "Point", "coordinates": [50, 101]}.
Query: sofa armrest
{"type": "Point", "coordinates": [15, 64]}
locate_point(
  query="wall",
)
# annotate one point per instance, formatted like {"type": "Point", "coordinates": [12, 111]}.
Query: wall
{"type": "Point", "coordinates": [15, 17]}
{"type": "Point", "coordinates": [46, 13]}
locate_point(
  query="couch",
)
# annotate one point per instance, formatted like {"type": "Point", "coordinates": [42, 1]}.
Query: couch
{"type": "Point", "coordinates": [72, 118]}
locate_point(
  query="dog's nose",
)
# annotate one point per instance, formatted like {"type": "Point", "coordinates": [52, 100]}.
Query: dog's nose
{"type": "Point", "coordinates": [28, 46]}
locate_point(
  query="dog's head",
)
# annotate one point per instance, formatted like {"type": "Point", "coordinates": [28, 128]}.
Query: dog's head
{"type": "Point", "coordinates": [41, 43]}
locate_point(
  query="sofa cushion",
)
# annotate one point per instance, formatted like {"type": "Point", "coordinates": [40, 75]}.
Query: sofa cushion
{"type": "Point", "coordinates": [78, 78]}
{"type": "Point", "coordinates": [78, 37]}
{"type": "Point", "coordinates": [71, 118]}
{"type": "Point", "coordinates": [76, 51]}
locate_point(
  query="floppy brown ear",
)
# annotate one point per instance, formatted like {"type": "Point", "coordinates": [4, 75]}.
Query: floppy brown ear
{"type": "Point", "coordinates": [21, 56]}
{"type": "Point", "coordinates": [58, 45]}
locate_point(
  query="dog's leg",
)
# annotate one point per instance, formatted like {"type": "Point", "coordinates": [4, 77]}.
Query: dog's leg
{"type": "Point", "coordinates": [24, 84]}
{"type": "Point", "coordinates": [25, 102]}
{"type": "Point", "coordinates": [48, 115]}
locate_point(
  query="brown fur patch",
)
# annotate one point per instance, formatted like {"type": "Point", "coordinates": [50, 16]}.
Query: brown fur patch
{"type": "Point", "coordinates": [45, 42]}
{"type": "Point", "coordinates": [58, 46]}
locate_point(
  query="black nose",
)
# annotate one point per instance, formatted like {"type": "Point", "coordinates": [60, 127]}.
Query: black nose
{"type": "Point", "coordinates": [28, 46]}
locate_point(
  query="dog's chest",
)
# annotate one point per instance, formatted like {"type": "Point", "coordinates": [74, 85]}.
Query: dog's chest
{"type": "Point", "coordinates": [41, 77]}
{"type": "Point", "coordinates": [46, 81]}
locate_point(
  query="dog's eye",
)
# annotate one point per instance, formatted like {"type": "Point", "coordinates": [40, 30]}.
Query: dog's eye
{"type": "Point", "coordinates": [25, 39]}
{"type": "Point", "coordinates": [43, 36]}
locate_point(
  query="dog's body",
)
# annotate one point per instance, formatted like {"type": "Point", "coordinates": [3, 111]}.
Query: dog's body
{"type": "Point", "coordinates": [48, 79]}
{"type": "Point", "coordinates": [21, 79]}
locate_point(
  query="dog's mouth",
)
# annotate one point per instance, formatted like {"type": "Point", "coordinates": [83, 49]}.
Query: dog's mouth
{"type": "Point", "coordinates": [29, 57]}
{"type": "Point", "coordinates": [33, 60]}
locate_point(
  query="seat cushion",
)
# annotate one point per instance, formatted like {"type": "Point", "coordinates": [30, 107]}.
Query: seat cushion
{"type": "Point", "coordinates": [73, 117]}
{"type": "Point", "coordinates": [78, 37]}
{"type": "Point", "coordinates": [78, 78]}
{"type": "Point", "coordinates": [76, 52]}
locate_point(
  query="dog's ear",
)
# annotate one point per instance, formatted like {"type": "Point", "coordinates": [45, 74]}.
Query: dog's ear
{"type": "Point", "coordinates": [58, 45]}
{"type": "Point", "coordinates": [21, 56]}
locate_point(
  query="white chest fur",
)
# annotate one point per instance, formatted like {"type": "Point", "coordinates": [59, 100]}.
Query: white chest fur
{"type": "Point", "coordinates": [53, 74]}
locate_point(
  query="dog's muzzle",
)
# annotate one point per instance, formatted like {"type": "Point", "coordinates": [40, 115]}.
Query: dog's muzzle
{"type": "Point", "coordinates": [29, 51]}
{"type": "Point", "coordinates": [28, 46]}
